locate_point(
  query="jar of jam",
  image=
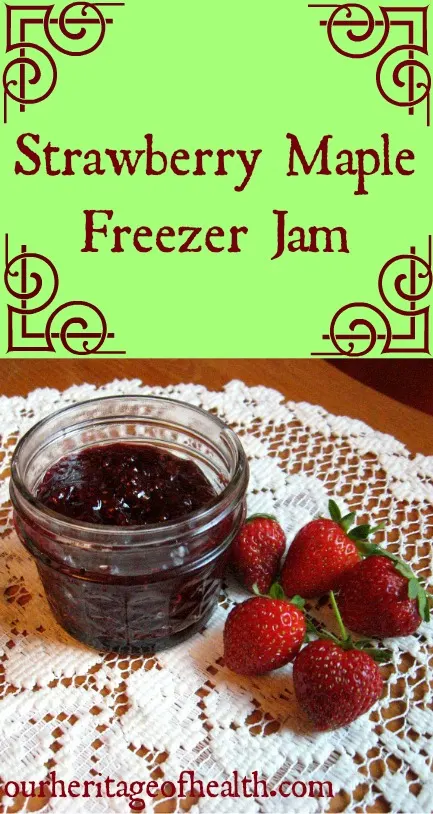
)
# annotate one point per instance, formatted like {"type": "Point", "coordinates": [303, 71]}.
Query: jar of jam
{"type": "Point", "coordinates": [129, 505]}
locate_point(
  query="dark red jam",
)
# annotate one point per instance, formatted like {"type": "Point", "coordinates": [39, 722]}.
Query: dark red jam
{"type": "Point", "coordinates": [125, 485]}
{"type": "Point", "coordinates": [128, 597]}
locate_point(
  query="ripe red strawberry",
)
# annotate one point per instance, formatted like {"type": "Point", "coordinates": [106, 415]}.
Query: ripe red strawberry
{"type": "Point", "coordinates": [262, 634]}
{"type": "Point", "coordinates": [321, 553]}
{"type": "Point", "coordinates": [382, 597]}
{"type": "Point", "coordinates": [334, 686]}
{"type": "Point", "coordinates": [257, 551]}
{"type": "Point", "coordinates": [336, 680]}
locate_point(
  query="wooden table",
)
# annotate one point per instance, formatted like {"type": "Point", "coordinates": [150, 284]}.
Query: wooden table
{"type": "Point", "coordinates": [299, 380]}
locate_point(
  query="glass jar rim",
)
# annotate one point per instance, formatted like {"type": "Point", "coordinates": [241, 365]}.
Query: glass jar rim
{"type": "Point", "coordinates": [201, 519]}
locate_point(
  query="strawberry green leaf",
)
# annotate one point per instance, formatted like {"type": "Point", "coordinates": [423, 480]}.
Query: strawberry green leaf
{"type": "Point", "coordinates": [379, 527]}
{"type": "Point", "coordinates": [413, 588]}
{"type": "Point", "coordinates": [402, 568]}
{"type": "Point", "coordinates": [423, 604]}
{"type": "Point", "coordinates": [276, 591]}
{"type": "Point", "coordinates": [369, 549]}
{"type": "Point", "coordinates": [297, 601]}
{"type": "Point", "coordinates": [311, 627]}
{"type": "Point", "coordinates": [334, 511]}
{"type": "Point", "coordinates": [380, 656]}
{"type": "Point", "coordinates": [360, 533]}
{"type": "Point", "coordinates": [256, 590]}
{"type": "Point", "coordinates": [258, 516]}
{"type": "Point", "coordinates": [363, 532]}
{"type": "Point", "coordinates": [347, 521]}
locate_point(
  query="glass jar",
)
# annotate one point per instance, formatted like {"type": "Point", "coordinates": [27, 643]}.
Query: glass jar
{"type": "Point", "coordinates": [135, 588]}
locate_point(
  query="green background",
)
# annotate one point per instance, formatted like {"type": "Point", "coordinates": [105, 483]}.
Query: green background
{"type": "Point", "coordinates": [226, 75]}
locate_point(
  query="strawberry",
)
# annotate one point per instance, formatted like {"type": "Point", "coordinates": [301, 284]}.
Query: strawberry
{"type": "Point", "coordinates": [321, 553]}
{"type": "Point", "coordinates": [257, 551]}
{"type": "Point", "coordinates": [334, 681]}
{"type": "Point", "coordinates": [334, 686]}
{"type": "Point", "coordinates": [382, 597]}
{"type": "Point", "coordinates": [262, 634]}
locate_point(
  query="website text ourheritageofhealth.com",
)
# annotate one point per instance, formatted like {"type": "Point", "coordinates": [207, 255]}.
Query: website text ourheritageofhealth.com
{"type": "Point", "coordinates": [137, 793]}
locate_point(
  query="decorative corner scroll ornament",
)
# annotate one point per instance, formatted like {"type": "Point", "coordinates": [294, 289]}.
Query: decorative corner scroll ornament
{"type": "Point", "coordinates": [401, 76]}
{"type": "Point", "coordinates": [79, 326]}
{"type": "Point", "coordinates": [357, 327]}
{"type": "Point", "coordinates": [31, 75]}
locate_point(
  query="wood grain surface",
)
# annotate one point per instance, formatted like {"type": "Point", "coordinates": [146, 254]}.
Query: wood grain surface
{"type": "Point", "coordinates": [299, 380]}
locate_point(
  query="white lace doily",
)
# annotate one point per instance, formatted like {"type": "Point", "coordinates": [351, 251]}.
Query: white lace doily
{"type": "Point", "coordinates": [89, 715]}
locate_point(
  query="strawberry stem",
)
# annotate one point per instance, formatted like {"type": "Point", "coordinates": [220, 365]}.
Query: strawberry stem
{"type": "Point", "coordinates": [343, 632]}
{"type": "Point", "coordinates": [321, 634]}
{"type": "Point", "coordinates": [346, 641]}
